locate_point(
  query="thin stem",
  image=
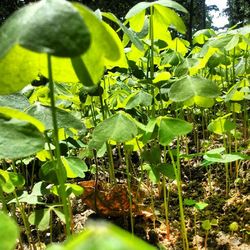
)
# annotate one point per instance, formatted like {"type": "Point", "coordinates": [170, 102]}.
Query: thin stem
{"type": "Point", "coordinates": [152, 56]}
{"type": "Point", "coordinates": [58, 164]}
{"type": "Point", "coordinates": [129, 191]}
{"type": "Point", "coordinates": [111, 162]}
{"type": "Point", "coordinates": [166, 196]}
{"type": "Point", "coordinates": [176, 166]}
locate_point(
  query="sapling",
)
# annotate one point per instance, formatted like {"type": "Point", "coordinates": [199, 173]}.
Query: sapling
{"type": "Point", "coordinates": [207, 225]}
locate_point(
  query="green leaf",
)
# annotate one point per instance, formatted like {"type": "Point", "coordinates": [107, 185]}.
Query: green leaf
{"type": "Point", "coordinates": [189, 202]}
{"type": "Point", "coordinates": [48, 26]}
{"type": "Point", "coordinates": [206, 225]}
{"type": "Point", "coordinates": [74, 166]}
{"type": "Point", "coordinates": [40, 218]}
{"type": "Point", "coordinates": [188, 87]}
{"type": "Point", "coordinates": [19, 139]}
{"type": "Point", "coordinates": [8, 232]}
{"type": "Point", "coordinates": [75, 189]}
{"type": "Point", "coordinates": [131, 34]}
{"type": "Point", "coordinates": [221, 125]}
{"type": "Point", "coordinates": [224, 158]}
{"type": "Point", "coordinates": [101, 235]}
{"type": "Point", "coordinates": [167, 170]}
{"type": "Point", "coordinates": [47, 172]}
{"type": "Point", "coordinates": [138, 98]}
{"type": "Point", "coordinates": [16, 114]}
{"type": "Point", "coordinates": [105, 45]}
{"type": "Point", "coordinates": [170, 128]}
{"type": "Point", "coordinates": [10, 181]}
{"type": "Point", "coordinates": [119, 127]}
{"type": "Point", "coordinates": [65, 119]}
{"type": "Point", "coordinates": [144, 5]}
{"type": "Point", "coordinates": [169, 18]}
{"type": "Point", "coordinates": [152, 155]}
{"type": "Point", "coordinates": [15, 101]}
{"type": "Point", "coordinates": [201, 205]}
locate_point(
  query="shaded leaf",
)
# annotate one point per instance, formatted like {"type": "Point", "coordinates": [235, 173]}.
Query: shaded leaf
{"type": "Point", "coordinates": [48, 26]}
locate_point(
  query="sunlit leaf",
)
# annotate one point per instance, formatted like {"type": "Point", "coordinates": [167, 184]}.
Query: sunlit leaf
{"type": "Point", "coordinates": [188, 87]}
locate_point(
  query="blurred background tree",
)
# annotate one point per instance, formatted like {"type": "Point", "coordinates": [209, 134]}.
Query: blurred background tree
{"type": "Point", "coordinates": [199, 17]}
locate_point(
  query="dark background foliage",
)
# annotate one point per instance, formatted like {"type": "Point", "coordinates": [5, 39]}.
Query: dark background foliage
{"type": "Point", "coordinates": [238, 11]}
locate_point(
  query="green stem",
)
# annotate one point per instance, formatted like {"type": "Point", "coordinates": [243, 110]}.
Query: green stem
{"type": "Point", "coordinates": [24, 218]}
{"type": "Point", "coordinates": [111, 162]}
{"type": "Point", "coordinates": [129, 191]}
{"type": "Point", "coordinates": [165, 195]}
{"type": "Point", "coordinates": [2, 199]}
{"type": "Point", "coordinates": [177, 171]}
{"type": "Point", "coordinates": [58, 164]}
{"type": "Point", "coordinates": [152, 57]}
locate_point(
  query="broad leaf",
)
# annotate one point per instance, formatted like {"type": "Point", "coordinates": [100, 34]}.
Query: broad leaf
{"type": "Point", "coordinates": [10, 181]}
{"type": "Point", "coordinates": [48, 172]}
{"type": "Point", "coordinates": [40, 218]}
{"type": "Point", "coordinates": [19, 139]}
{"type": "Point", "coordinates": [144, 5]}
{"type": "Point", "coordinates": [74, 166]}
{"type": "Point", "coordinates": [170, 128]}
{"type": "Point", "coordinates": [64, 118]}
{"type": "Point", "coordinates": [15, 101]}
{"type": "Point", "coordinates": [48, 26]}
{"type": "Point", "coordinates": [8, 232]}
{"type": "Point", "coordinates": [188, 87]}
{"type": "Point", "coordinates": [221, 125]}
{"type": "Point", "coordinates": [119, 127]}
{"type": "Point", "coordinates": [140, 98]}
{"type": "Point", "coordinates": [102, 235]}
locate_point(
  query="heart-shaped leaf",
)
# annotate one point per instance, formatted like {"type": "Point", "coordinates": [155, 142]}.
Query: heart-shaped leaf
{"type": "Point", "coordinates": [8, 232]}
{"type": "Point", "coordinates": [64, 118]}
{"type": "Point", "coordinates": [19, 139]}
{"type": "Point", "coordinates": [48, 26]}
{"type": "Point", "coordinates": [170, 128]}
{"type": "Point", "coordinates": [119, 127]}
{"type": "Point", "coordinates": [189, 87]}
{"type": "Point", "coordinates": [139, 98]}
{"type": "Point", "coordinates": [144, 5]}
{"type": "Point", "coordinates": [74, 166]}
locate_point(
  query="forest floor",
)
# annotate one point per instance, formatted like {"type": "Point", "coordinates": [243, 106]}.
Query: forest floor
{"type": "Point", "coordinates": [104, 202]}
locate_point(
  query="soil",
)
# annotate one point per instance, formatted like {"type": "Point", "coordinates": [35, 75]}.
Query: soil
{"type": "Point", "coordinates": [148, 208]}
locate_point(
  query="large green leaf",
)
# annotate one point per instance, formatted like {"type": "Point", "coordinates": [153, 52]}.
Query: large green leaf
{"type": "Point", "coordinates": [48, 26]}
{"type": "Point", "coordinates": [189, 87]}
{"type": "Point", "coordinates": [8, 232]}
{"type": "Point", "coordinates": [169, 18]}
{"type": "Point", "coordinates": [64, 118]}
{"type": "Point", "coordinates": [131, 35]}
{"type": "Point", "coordinates": [144, 5]}
{"type": "Point", "coordinates": [19, 139]}
{"type": "Point", "coordinates": [105, 49]}
{"type": "Point", "coordinates": [18, 68]}
{"type": "Point", "coordinates": [170, 128]}
{"type": "Point", "coordinates": [74, 166]}
{"type": "Point", "coordinates": [16, 101]}
{"type": "Point", "coordinates": [40, 218]}
{"type": "Point", "coordinates": [102, 235]}
{"type": "Point", "coordinates": [221, 125]}
{"type": "Point", "coordinates": [139, 98]}
{"type": "Point", "coordinates": [14, 113]}
{"type": "Point", "coordinates": [119, 127]}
